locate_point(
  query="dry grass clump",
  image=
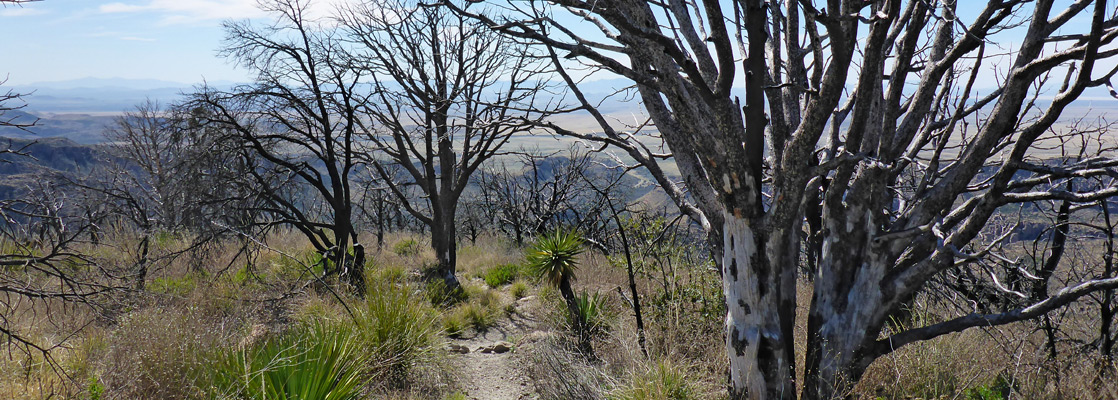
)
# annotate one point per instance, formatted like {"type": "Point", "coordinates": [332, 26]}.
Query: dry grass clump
{"type": "Point", "coordinates": [561, 373]}
{"type": "Point", "coordinates": [661, 380]}
{"type": "Point", "coordinates": [946, 366]}
{"type": "Point", "coordinates": [163, 352]}
{"type": "Point", "coordinates": [485, 253]}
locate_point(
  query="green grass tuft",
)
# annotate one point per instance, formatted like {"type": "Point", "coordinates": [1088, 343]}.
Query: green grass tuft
{"type": "Point", "coordinates": [501, 275]}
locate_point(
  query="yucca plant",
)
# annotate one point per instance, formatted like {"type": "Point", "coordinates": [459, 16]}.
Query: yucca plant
{"type": "Point", "coordinates": [554, 259]}
{"type": "Point", "coordinates": [318, 361]}
{"type": "Point", "coordinates": [397, 327]}
{"type": "Point", "coordinates": [592, 312]}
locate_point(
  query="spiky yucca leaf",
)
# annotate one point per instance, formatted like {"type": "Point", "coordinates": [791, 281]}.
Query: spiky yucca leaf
{"type": "Point", "coordinates": [319, 361]}
{"type": "Point", "coordinates": [555, 255]}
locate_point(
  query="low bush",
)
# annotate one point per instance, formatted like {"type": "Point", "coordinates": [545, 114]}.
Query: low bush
{"type": "Point", "coordinates": [438, 295]}
{"type": "Point", "coordinates": [593, 312]}
{"type": "Point", "coordinates": [519, 289]}
{"type": "Point", "coordinates": [397, 326]}
{"type": "Point", "coordinates": [162, 353]}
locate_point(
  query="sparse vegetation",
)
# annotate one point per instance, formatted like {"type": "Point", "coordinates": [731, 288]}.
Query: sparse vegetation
{"type": "Point", "coordinates": [838, 231]}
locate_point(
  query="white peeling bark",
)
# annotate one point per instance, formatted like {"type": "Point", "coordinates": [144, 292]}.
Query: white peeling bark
{"type": "Point", "coordinates": [846, 304]}
{"type": "Point", "coordinates": [743, 326]}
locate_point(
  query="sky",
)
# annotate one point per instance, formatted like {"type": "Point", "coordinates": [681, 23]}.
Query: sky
{"type": "Point", "coordinates": [172, 40]}
{"type": "Point", "coordinates": [169, 40]}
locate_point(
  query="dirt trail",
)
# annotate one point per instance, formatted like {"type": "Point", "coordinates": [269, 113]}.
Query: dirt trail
{"type": "Point", "coordinates": [489, 370]}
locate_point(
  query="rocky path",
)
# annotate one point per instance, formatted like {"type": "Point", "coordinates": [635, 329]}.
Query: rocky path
{"type": "Point", "coordinates": [490, 368]}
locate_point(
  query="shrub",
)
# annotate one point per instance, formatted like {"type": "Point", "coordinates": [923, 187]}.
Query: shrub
{"type": "Point", "coordinates": [439, 296]}
{"type": "Point", "coordinates": [454, 324]}
{"type": "Point", "coordinates": [478, 316]}
{"type": "Point", "coordinates": [406, 248]}
{"type": "Point", "coordinates": [662, 381]}
{"type": "Point", "coordinates": [161, 353]}
{"type": "Point", "coordinates": [501, 275]}
{"type": "Point", "coordinates": [319, 361]}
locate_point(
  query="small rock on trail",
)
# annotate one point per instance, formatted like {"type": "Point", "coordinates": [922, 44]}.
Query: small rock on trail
{"type": "Point", "coordinates": [491, 367]}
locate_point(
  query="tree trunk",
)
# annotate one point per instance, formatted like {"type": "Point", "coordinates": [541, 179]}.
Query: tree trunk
{"type": "Point", "coordinates": [760, 366]}
{"type": "Point", "coordinates": [845, 315]}
{"type": "Point", "coordinates": [445, 246]}
{"type": "Point", "coordinates": [355, 274]}
{"type": "Point", "coordinates": [576, 317]}
{"type": "Point", "coordinates": [1106, 311]}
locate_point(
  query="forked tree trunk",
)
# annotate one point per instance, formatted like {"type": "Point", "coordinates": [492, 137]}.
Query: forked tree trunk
{"type": "Point", "coordinates": [349, 268]}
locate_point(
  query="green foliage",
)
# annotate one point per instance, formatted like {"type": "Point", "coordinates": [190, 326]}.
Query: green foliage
{"type": "Point", "coordinates": [439, 296]}
{"type": "Point", "coordinates": [662, 381]}
{"type": "Point", "coordinates": [94, 388]}
{"type": "Point", "coordinates": [593, 313]}
{"type": "Point", "coordinates": [1000, 389]}
{"type": "Point", "coordinates": [406, 248]}
{"type": "Point", "coordinates": [480, 312]}
{"type": "Point", "coordinates": [519, 289]}
{"type": "Point", "coordinates": [478, 316]}
{"type": "Point", "coordinates": [501, 275]}
{"type": "Point", "coordinates": [555, 255]}
{"type": "Point", "coordinates": [321, 360]}
{"type": "Point", "coordinates": [172, 286]}
{"type": "Point", "coordinates": [454, 324]}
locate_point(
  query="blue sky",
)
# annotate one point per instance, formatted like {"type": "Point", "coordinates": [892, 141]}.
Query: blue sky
{"type": "Point", "coordinates": [173, 40]}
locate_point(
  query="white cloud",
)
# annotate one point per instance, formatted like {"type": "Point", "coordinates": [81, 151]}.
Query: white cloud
{"type": "Point", "coordinates": [190, 11]}
{"type": "Point", "coordinates": [20, 11]}
{"type": "Point", "coordinates": [186, 11]}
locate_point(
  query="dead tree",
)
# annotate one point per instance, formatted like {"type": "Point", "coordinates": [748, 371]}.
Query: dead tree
{"type": "Point", "coordinates": [448, 94]}
{"type": "Point", "coordinates": [840, 101]}
{"type": "Point", "coordinates": [536, 194]}
{"type": "Point", "coordinates": [300, 118]}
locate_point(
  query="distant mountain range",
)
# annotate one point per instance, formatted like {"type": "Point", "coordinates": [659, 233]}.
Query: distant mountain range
{"type": "Point", "coordinates": [80, 128]}
{"type": "Point", "coordinates": [100, 95]}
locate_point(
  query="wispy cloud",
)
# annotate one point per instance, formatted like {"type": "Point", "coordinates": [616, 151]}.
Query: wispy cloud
{"type": "Point", "coordinates": [136, 39]}
{"type": "Point", "coordinates": [187, 11]}
{"type": "Point", "coordinates": [192, 11]}
{"type": "Point", "coordinates": [20, 11]}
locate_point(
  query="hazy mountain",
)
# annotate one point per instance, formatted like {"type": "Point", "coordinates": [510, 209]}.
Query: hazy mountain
{"type": "Point", "coordinates": [101, 95]}
{"type": "Point", "coordinates": [43, 157]}
{"type": "Point", "coordinates": [80, 128]}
